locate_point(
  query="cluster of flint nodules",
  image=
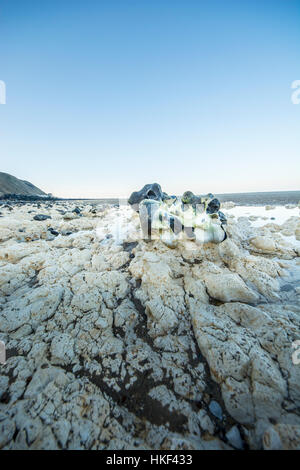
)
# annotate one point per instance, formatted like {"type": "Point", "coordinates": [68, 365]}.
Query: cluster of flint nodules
{"type": "Point", "coordinates": [172, 218]}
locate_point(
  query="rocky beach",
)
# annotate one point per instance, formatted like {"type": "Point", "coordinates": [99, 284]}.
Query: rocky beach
{"type": "Point", "coordinates": [113, 342]}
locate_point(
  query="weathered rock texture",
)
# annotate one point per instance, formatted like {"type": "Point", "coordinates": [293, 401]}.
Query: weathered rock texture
{"type": "Point", "coordinates": [133, 345]}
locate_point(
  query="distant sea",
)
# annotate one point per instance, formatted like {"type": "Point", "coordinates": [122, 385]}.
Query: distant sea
{"type": "Point", "coordinates": [276, 198]}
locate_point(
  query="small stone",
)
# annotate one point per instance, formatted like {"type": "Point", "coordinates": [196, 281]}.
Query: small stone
{"type": "Point", "coordinates": [53, 232]}
{"type": "Point", "coordinates": [41, 217]}
{"type": "Point", "coordinates": [234, 438]}
{"type": "Point", "coordinates": [215, 409]}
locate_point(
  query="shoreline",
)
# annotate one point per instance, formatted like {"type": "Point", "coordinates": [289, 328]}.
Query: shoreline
{"type": "Point", "coordinates": [278, 198]}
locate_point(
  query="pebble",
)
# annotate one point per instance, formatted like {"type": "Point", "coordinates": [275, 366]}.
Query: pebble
{"type": "Point", "coordinates": [41, 217]}
{"type": "Point", "coordinates": [215, 409]}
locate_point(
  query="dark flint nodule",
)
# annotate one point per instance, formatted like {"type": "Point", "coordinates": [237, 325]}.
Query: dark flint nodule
{"type": "Point", "coordinates": [187, 197]}
{"type": "Point", "coordinates": [222, 217]}
{"type": "Point", "coordinates": [190, 198]}
{"type": "Point", "coordinates": [149, 191]}
{"type": "Point", "coordinates": [213, 206]}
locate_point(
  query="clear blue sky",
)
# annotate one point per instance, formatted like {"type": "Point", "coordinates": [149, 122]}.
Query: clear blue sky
{"type": "Point", "coordinates": [105, 96]}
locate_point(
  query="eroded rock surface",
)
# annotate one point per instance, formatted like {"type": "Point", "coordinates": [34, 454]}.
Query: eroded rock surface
{"type": "Point", "coordinates": [115, 343]}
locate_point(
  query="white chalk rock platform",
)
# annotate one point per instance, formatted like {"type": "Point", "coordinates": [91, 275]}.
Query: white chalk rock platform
{"type": "Point", "coordinates": [115, 343]}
